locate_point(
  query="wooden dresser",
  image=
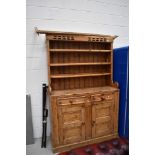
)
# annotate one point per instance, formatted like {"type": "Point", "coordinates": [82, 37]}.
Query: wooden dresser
{"type": "Point", "coordinates": [83, 97]}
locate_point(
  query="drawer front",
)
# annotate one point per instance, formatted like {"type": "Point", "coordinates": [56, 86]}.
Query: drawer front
{"type": "Point", "coordinates": [72, 100]}
{"type": "Point", "coordinates": [102, 97]}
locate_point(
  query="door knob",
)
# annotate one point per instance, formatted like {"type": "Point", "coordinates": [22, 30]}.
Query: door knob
{"type": "Point", "coordinates": [71, 101]}
{"type": "Point", "coordinates": [93, 123]}
{"type": "Point", "coordinates": [83, 123]}
{"type": "Point", "coordinates": [102, 98]}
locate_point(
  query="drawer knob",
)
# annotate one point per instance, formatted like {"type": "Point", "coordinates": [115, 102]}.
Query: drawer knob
{"type": "Point", "coordinates": [109, 97]}
{"type": "Point", "coordinates": [93, 123]}
{"type": "Point", "coordinates": [102, 98]}
{"type": "Point", "coordinates": [71, 101]}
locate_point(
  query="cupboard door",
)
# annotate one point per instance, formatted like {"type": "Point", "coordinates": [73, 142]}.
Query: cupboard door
{"type": "Point", "coordinates": [102, 118]}
{"type": "Point", "coordinates": [71, 122]}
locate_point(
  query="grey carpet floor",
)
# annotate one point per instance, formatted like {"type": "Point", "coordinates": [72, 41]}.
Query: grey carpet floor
{"type": "Point", "coordinates": [35, 149]}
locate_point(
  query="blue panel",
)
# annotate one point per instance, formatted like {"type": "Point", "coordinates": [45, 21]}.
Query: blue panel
{"type": "Point", "coordinates": [121, 56]}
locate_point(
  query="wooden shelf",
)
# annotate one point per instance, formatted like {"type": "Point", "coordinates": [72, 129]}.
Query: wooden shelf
{"type": "Point", "coordinates": [78, 50]}
{"type": "Point", "coordinates": [79, 64]}
{"type": "Point", "coordinates": [84, 90]}
{"type": "Point", "coordinates": [78, 75]}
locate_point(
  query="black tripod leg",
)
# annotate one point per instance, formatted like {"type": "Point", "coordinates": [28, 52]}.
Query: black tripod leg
{"type": "Point", "coordinates": [45, 136]}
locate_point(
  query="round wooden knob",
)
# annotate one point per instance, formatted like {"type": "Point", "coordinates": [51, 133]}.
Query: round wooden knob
{"type": "Point", "coordinates": [71, 101]}
{"type": "Point", "coordinates": [102, 98]}
{"type": "Point", "coordinates": [93, 123]}
{"type": "Point", "coordinates": [83, 123]}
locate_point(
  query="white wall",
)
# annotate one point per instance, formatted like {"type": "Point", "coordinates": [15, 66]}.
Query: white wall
{"type": "Point", "coordinates": [92, 16]}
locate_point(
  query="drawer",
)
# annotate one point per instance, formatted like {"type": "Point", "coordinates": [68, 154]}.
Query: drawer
{"type": "Point", "coordinates": [102, 97]}
{"type": "Point", "coordinates": [72, 100]}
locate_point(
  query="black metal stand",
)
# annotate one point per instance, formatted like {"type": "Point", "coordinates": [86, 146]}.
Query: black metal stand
{"type": "Point", "coordinates": [44, 115]}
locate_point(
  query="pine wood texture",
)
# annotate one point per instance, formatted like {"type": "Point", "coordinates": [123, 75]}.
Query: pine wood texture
{"type": "Point", "coordinates": [83, 97]}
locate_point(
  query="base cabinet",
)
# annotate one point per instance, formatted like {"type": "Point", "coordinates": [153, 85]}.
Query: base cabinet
{"type": "Point", "coordinates": [83, 118]}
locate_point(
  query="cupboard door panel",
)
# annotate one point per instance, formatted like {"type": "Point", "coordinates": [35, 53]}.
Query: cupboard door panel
{"type": "Point", "coordinates": [72, 134]}
{"type": "Point", "coordinates": [102, 119]}
{"type": "Point", "coordinates": [102, 128]}
{"type": "Point", "coordinates": [71, 123]}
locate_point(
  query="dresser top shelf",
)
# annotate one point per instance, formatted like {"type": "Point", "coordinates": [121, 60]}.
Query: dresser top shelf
{"type": "Point", "coordinates": [49, 32]}
{"type": "Point", "coordinates": [79, 50]}
{"type": "Point", "coordinates": [80, 64]}
{"type": "Point", "coordinates": [78, 75]}
{"type": "Point", "coordinates": [83, 90]}
{"type": "Point", "coordinates": [76, 37]}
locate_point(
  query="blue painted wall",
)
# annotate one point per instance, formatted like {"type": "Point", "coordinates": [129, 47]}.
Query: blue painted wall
{"type": "Point", "coordinates": [121, 68]}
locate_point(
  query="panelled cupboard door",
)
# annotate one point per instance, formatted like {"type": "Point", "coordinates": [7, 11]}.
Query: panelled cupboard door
{"type": "Point", "coordinates": [102, 117]}
{"type": "Point", "coordinates": [71, 123]}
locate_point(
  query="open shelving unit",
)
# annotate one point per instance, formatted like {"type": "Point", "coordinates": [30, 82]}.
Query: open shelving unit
{"type": "Point", "coordinates": [79, 64]}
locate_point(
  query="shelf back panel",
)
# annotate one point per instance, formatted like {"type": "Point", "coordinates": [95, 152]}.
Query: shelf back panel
{"type": "Point", "coordinates": [94, 75]}
{"type": "Point", "coordinates": [80, 69]}
{"type": "Point", "coordinates": [79, 45]}
{"type": "Point", "coordinates": [79, 57]}
{"type": "Point", "coordinates": [80, 82]}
